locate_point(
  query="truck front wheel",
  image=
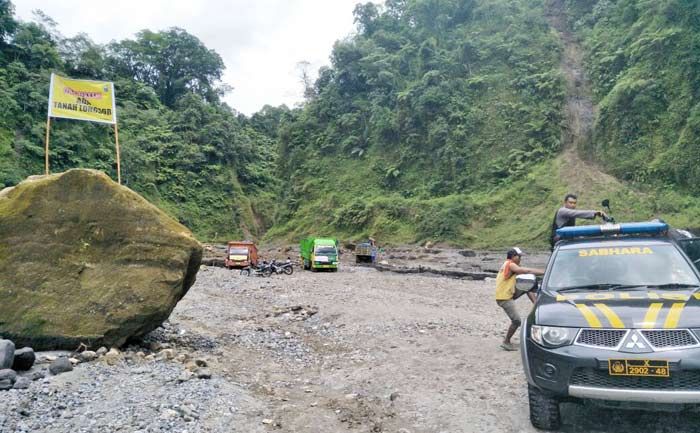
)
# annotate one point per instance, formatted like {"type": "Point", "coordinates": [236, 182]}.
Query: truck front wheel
{"type": "Point", "coordinates": [544, 409]}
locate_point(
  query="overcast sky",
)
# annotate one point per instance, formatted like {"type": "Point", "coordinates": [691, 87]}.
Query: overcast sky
{"type": "Point", "coordinates": [261, 41]}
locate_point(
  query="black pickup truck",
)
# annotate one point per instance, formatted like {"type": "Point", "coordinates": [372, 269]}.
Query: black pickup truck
{"type": "Point", "coordinates": [616, 322]}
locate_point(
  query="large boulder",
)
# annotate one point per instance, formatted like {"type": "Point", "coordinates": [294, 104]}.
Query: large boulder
{"type": "Point", "coordinates": [7, 353]}
{"type": "Point", "coordinates": [85, 260]}
{"type": "Point", "coordinates": [24, 359]}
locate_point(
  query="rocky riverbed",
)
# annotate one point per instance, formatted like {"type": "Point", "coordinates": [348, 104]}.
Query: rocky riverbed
{"type": "Point", "coordinates": [353, 351]}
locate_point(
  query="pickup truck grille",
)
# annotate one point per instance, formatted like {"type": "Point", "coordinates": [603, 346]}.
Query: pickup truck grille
{"type": "Point", "coordinates": [608, 338]}
{"type": "Point", "coordinates": [659, 339]}
{"type": "Point", "coordinates": [679, 380]}
{"type": "Point", "coordinates": [669, 338]}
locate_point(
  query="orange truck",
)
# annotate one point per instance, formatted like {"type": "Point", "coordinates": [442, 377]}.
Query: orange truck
{"type": "Point", "coordinates": [241, 254]}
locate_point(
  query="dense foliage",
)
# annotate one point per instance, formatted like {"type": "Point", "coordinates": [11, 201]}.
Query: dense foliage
{"type": "Point", "coordinates": [438, 119]}
{"type": "Point", "coordinates": [430, 101]}
{"type": "Point", "coordinates": [181, 147]}
{"type": "Point", "coordinates": [643, 57]}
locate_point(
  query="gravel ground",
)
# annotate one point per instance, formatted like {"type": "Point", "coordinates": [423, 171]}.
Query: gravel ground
{"type": "Point", "coordinates": [352, 351]}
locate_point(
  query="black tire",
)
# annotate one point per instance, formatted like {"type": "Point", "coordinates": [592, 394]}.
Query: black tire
{"type": "Point", "coordinates": [245, 272]}
{"type": "Point", "coordinates": [289, 270]}
{"type": "Point", "coordinates": [267, 272]}
{"type": "Point", "coordinates": [544, 409]}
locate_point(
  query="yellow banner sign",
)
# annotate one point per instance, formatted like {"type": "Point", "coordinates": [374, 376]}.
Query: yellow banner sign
{"type": "Point", "coordinates": [82, 100]}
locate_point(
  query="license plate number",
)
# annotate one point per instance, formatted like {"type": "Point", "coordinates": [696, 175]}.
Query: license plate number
{"type": "Point", "coordinates": [638, 367]}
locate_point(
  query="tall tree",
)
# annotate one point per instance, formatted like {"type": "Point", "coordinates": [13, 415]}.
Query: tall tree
{"type": "Point", "coordinates": [173, 62]}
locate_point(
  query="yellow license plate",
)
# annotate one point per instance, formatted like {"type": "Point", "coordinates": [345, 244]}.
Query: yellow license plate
{"type": "Point", "coordinates": [638, 367]}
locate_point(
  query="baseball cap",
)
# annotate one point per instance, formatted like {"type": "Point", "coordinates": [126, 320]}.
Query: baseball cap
{"type": "Point", "coordinates": [515, 251]}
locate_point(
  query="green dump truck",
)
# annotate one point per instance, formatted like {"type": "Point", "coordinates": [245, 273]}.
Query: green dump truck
{"type": "Point", "coordinates": [319, 253]}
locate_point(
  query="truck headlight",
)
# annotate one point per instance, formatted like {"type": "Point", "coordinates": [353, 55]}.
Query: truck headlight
{"type": "Point", "coordinates": [552, 336]}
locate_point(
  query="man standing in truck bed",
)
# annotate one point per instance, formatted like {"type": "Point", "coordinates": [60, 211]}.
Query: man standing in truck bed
{"type": "Point", "coordinates": [566, 216]}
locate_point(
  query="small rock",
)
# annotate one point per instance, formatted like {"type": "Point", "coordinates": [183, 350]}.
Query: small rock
{"type": "Point", "coordinates": [168, 414]}
{"type": "Point", "coordinates": [159, 346]}
{"type": "Point", "coordinates": [112, 357]}
{"type": "Point", "coordinates": [74, 361]}
{"type": "Point", "coordinates": [203, 373]}
{"type": "Point", "coordinates": [350, 396]}
{"type": "Point", "coordinates": [393, 396]}
{"type": "Point", "coordinates": [24, 359]}
{"type": "Point", "coordinates": [50, 358]}
{"type": "Point", "coordinates": [60, 365]}
{"type": "Point", "coordinates": [181, 358]}
{"type": "Point", "coordinates": [140, 354]}
{"type": "Point", "coordinates": [201, 362]}
{"type": "Point", "coordinates": [36, 375]}
{"type": "Point", "coordinates": [7, 374]}
{"type": "Point", "coordinates": [22, 383]}
{"type": "Point", "coordinates": [5, 384]}
{"type": "Point", "coordinates": [191, 366]}
{"type": "Point", "coordinates": [88, 356]}
{"type": "Point", "coordinates": [7, 353]}
{"type": "Point", "coordinates": [267, 421]}
{"type": "Point", "coordinates": [186, 412]}
{"type": "Point", "coordinates": [185, 376]}
{"type": "Point", "coordinates": [167, 354]}
{"type": "Point", "coordinates": [101, 351]}
{"type": "Point", "coordinates": [150, 357]}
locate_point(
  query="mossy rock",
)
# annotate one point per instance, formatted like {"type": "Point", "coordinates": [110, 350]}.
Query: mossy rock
{"type": "Point", "coordinates": [85, 260]}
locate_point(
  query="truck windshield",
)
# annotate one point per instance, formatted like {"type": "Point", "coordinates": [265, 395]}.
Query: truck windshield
{"type": "Point", "coordinates": [629, 265]}
{"type": "Point", "coordinates": [238, 251]}
{"type": "Point", "coordinates": [325, 250]}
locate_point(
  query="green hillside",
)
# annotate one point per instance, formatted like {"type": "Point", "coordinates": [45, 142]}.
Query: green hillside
{"type": "Point", "coordinates": [442, 120]}
{"type": "Point", "coordinates": [434, 105]}
{"type": "Point", "coordinates": [456, 121]}
{"type": "Point", "coordinates": [644, 60]}
{"type": "Point", "coordinates": [181, 147]}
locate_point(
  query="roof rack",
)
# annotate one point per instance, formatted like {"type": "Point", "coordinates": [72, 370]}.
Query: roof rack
{"type": "Point", "coordinates": [647, 228]}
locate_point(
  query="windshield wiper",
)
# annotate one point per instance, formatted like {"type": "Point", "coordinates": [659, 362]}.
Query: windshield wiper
{"type": "Point", "coordinates": [627, 286]}
{"type": "Point", "coordinates": [609, 286]}
{"type": "Point", "coordinates": [602, 286]}
{"type": "Point", "coordinates": [674, 286]}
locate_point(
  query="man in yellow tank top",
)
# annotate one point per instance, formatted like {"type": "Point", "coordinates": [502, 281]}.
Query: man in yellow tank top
{"type": "Point", "coordinates": [505, 290]}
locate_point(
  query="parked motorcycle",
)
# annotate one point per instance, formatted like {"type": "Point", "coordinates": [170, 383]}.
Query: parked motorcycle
{"type": "Point", "coordinates": [287, 267]}
{"type": "Point", "coordinates": [264, 269]}
{"type": "Point", "coordinates": [282, 268]}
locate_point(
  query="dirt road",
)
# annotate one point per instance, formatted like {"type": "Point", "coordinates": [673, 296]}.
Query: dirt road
{"type": "Point", "coordinates": [370, 351]}
{"type": "Point", "coordinates": [353, 351]}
